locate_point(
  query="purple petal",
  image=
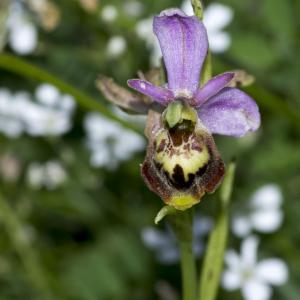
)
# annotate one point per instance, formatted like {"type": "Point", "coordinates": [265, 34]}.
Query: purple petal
{"type": "Point", "coordinates": [158, 94]}
{"type": "Point", "coordinates": [212, 87]}
{"type": "Point", "coordinates": [231, 112]}
{"type": "Point", "coordinates": [183, 41]}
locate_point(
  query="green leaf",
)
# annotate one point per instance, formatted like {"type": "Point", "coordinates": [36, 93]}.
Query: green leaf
{"type": "Point", "coordinates": [279, 18]}
{"type": "Point", "coordinates": [213, 260]}
{"type": "Point", "coordinates": [253, 51]}
{"type": "Point", "coordinates": [108, 269]}
{"type": "Point", "coordinates": [30, 259]}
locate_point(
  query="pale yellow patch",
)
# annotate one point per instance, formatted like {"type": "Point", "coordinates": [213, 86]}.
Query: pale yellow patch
{"type": "Point", "coordinates": [190, 161]}
{"type": "Point", "coordinates": [183, 201]}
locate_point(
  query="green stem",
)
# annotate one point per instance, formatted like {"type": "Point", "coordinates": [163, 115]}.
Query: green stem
{"type": "Point", "coordinates": [182, 226]}
{"type": "Point", "coordinates": [213, 260]}
{"type": "Point", "coordinates": [28, 256]}
{"type": "Point", "coordinates": [188, 270]}
{"type": "Point", "coordinates": [198, 8]}
{"type": "Point", "coordinates": [207, 69]}
{"type": "Point", "coordinates": [19, 66]}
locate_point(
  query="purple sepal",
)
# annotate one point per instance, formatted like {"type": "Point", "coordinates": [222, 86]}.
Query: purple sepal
{"type": "Point", "coordinates": [212, 87]}
{"type": "Point", "coordinates": [230, 112]}
{"type": "Point", "coordinates": [184, 44]}
{"type": "Point", "coordinates": [161, 95]}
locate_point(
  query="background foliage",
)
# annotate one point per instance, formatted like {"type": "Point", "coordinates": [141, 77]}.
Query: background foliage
{"type": "Point", "coordinates": [83, 240]}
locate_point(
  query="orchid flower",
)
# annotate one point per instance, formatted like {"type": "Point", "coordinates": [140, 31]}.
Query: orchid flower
{"type": "Point", "coordinates": [182, 162]}
{"type": "Point", "coordinates": [184, 44]}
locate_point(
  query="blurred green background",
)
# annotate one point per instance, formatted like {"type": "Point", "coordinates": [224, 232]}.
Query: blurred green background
{"type": "Point", "coordinates": [82, 237]}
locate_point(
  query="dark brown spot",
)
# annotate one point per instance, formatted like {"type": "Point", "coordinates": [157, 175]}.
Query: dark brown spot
{"type": "Point", "coordinates": [181, 133]}
{"type": "Point", "coordinates": [178, 180]}
{"type": "Point", "coordinates": [161, 147]}
{"type": "Point", "coordinates": [201, 171]}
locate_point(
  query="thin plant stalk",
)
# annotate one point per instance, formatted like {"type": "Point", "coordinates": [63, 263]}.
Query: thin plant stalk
{"type": "Point", "coordinates": [213, 261]}
{"type": "Point", "coordinates": [31, 264]}
{"type": "Point", "coordinates": [183, 228]}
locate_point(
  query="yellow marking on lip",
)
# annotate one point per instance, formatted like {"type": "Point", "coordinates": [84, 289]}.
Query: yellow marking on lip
{"type": "Point", "coordinates": [189, 160]}
{"type": "Point", "coordinates": [183, 201]}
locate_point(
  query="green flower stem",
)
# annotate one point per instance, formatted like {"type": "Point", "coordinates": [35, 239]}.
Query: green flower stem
{"type": "Point", "coordinates": [182, 226]}
{"type": "Point", "coordinates": [213, 260]}
{"type": "Point", "coordinates": [28, 256]}
{"type": "Point", "coordinates": [19, 66]}
{"type": "Point", "coordinates": [198, 8]}
{"type": "Point", "coordinates": [207, 66]}
{"type": "Point", "coordinates": [207, 69]}
{"type": "Point", "coordinates": [188, 270]}
{"type": "Point", "coordinates": [4, 11]}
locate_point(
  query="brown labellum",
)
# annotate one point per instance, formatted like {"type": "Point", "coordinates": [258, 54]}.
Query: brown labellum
{"type": "Point", "coordinates": [182, 163]}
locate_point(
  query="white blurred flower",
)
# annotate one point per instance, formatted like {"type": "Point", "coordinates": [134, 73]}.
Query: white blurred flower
{"type": "Point", "coordinates": [55, 175]}
{"type": "Point", "coordinates": [50, 175]}
{"type": "Point", "coordinates": [133, 8]}
{"type": "Point", "coordinates": [67, 103]}
{"type": "Point", "coordinates": [50, 96]}
{"type": "Point", "coordinates": [10, 123]}
{"type": "Point", "coordinates": [47, 94]}
{"type": "Point", "coordinates": [35, 175]}
{"type": "Point", "coordinates": [265, 214]}
{"type": "Point", "coordinates": [40, 121]}
{"type": "Point", "coordinates": [23, 38]}
{"type": "Point", "coordinates": [116, 46]}
{"type": "Point", "coordinates": [187, 7]}
{"type": "Point", "coordinates": [109, 142]}
{"type": "Point", "coordinates": [164, 243]}
{"type": "Point", "coordinates": [144, 31]}
{"type": "Point", "coordinates": [22, 33]}
{"type": "Point", "coordinates": [215, 18]}
{"type": "Point", "coordinates": [253, 278]}
{"type": "Point", "coordinates": [109, 13]}
{"type": "Point", "coordinates": [49, 116]}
